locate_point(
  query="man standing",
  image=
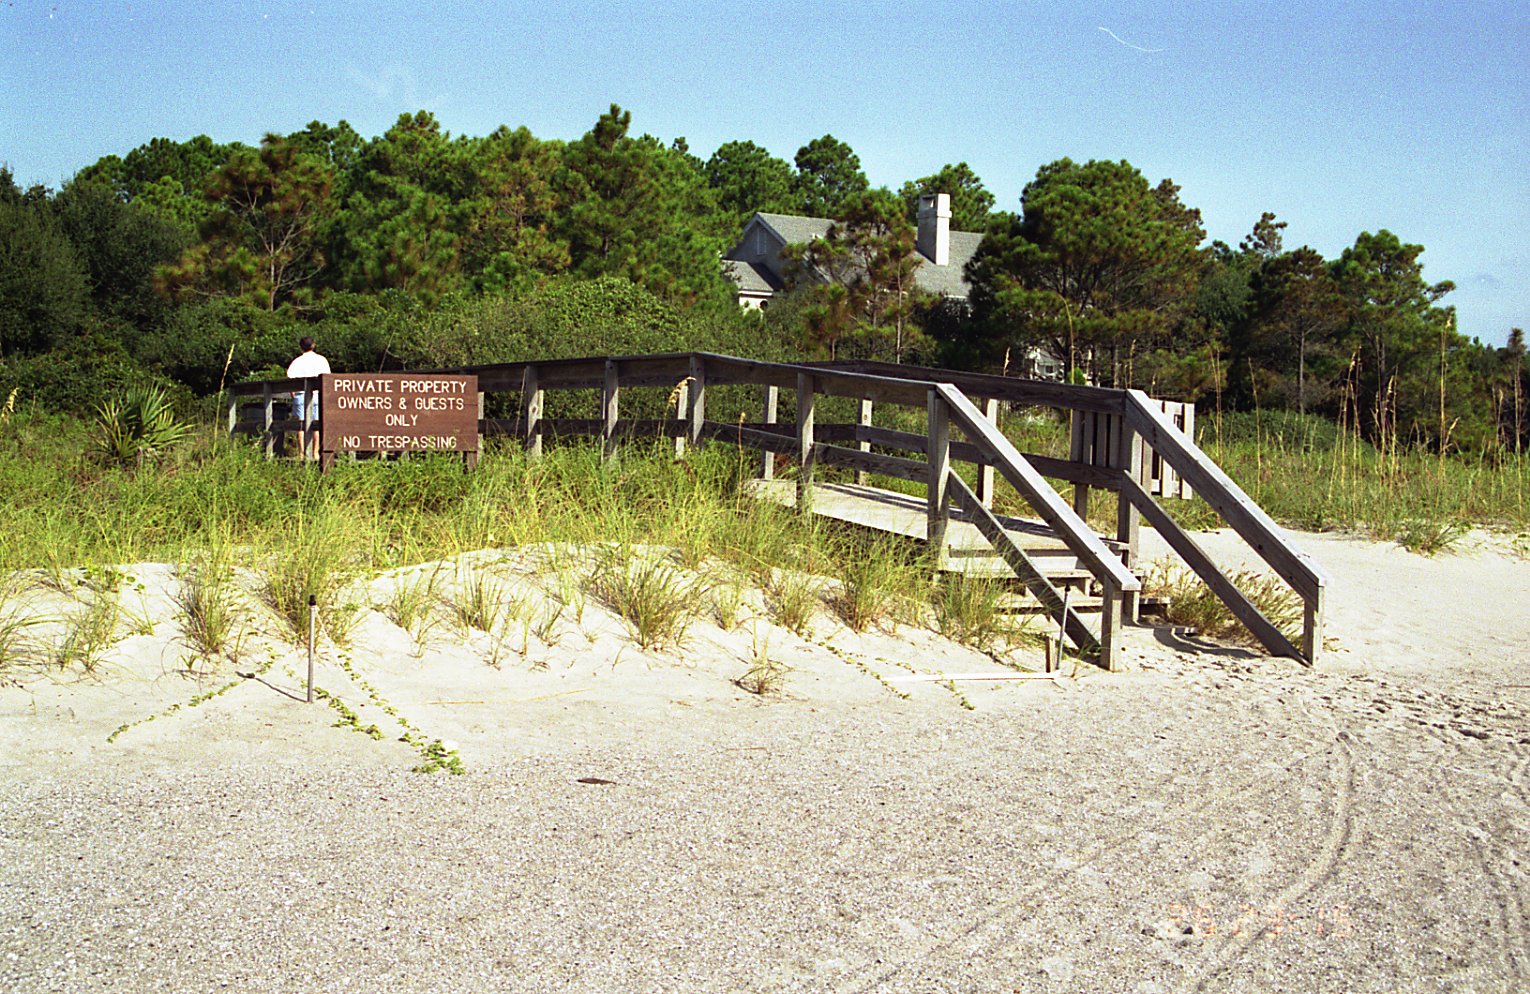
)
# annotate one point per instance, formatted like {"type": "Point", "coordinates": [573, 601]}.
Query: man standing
{"type": "Point", "coordinates": [308, 364]}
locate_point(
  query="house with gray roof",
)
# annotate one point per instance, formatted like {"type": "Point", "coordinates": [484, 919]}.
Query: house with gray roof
{"type": "Point", "coordinates": [755, 263]}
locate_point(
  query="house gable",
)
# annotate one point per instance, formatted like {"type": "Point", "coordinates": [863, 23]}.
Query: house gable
{"type": "Point", "coordinates": [755, 265]}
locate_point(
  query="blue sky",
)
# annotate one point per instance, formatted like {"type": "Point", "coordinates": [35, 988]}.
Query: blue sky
{"type": "Point", "coordinates": [1338, 117]}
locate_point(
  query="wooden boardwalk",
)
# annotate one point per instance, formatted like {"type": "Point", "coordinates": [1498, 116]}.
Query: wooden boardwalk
{"type": "Point", "coordinates": [906, 515]}
{"type": "Point", "coordinates": [1123, 442]}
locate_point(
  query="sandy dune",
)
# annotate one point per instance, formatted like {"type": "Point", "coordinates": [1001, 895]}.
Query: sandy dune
{"type": "Point", "coordinates": [1213, 820]}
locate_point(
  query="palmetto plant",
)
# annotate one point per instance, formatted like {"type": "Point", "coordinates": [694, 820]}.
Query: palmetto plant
{"type": "Point", "coordinates": [136, 426]}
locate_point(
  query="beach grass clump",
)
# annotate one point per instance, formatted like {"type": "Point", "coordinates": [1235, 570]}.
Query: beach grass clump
{"type": "Point", "coordinates": [19, 645]}
{"type": "Point", "coordinates": [1429, 537]}
{"type": "Point", "coordinates": [414, 603]}
{"type": "Point", "coordinates": [766, 675]}
{"type": "Point", "coordinates": [1193, 604]}
{"type": "Point", "coordinates": [971, 610]}
{"type": "Point", "coordinates": [728, 602]}
{"type": "Point", "coordinates": [876, 578]}
{"type": "Point", "coordinates": [89, 634]}
{"type": "Point", "coordinates": [644, 588]}
{"type": "Point", "coordinates": [483, 600]}
{"type": "Point", "coordinates": [793, 599]}
{"type": "Point", "coordinates": [315, 556]}
{"type": "Point", "coordinates": [212, 616]}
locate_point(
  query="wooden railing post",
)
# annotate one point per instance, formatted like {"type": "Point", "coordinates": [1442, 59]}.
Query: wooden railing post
{"type": "Point", "coordinates": [698, 398]}
{"type": "Point", "coordinates": [1083, 433]}
{"type": "Point", "coordinates": [1110, 625]}
{"type": "Point", "coordinates": [862, 418]}
{"type": "Point", "coordinates": [1312, 625]}
{"type": "Point", "coordinates": [682, 417]}
{"type": "Point", "coordinates": [937, 487]}
{"type": "Point", "coordinates": [531, 411]}
{"type": "Point", "coordinates": [610, 404]}
{"type": "Point", "coordinates": [1128, 458]}
{"type": "Point", "coordinates": [805, 455]}
{"type": "Point", "coordinates": [270, 437]}
{"type": "Point", "coordinates": [768, 460]}
{"type": "Point", "coordinates": [985, 470]}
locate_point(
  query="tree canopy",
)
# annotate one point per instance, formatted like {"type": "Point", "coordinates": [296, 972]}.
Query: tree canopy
{"type": "Point", "coordinates": [197, 260]}
{"type": "Point", "coordinates": [1098, 262]}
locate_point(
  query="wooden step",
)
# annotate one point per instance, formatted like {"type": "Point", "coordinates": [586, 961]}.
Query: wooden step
{"type": "Point", "coordinates": [1026, 605]}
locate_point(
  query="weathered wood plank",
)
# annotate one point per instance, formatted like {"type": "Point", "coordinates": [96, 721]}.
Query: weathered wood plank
{"type": "Point", "coordinates": [733, 370]}
{"type": "Point", "coordinates": [1037, 492]}
{"type": "Point", "coordinates": [807, 401]}
{"type": "Point", "coordinates": [768, 460]}
{"type": "Point", "coordinates": [1128, 518]}
{"type": "Point", "coordinates": [596, 428]}
{"type": "Point", "coordinates": [1196, 558]}
{"type": "Point", "coordinates": [1312, 626]}
{"type": "Point", "coordinates": [863, 419]}
{"type": "Point", "coordinates": [266, 404]}
{"type": "Point", "coordinates": [769, 442]}
{"type": "Point", "coordinates": [1225, 497]}
{"type": "Point", "coordinates": [1110, 626]}
{"type": "Point", "coordinates": [1186, 425]}
{"type": "Point", "coordinates": [985, 469]}
{"type": "Point", "coordinates": [1079, 452]}
{"type": "Point", "coordinates": [531, 410]}
{"type": "Point", "coordinates": [889, 438]}
{"type": "Point", "coordinates": [610, 405]}
{"type": "Point", "coordinates": [682, 417]}
{"type": "Point", "coordinates": [696, 372]}
{"type": "Point", "coordinates": [1037, 393]}
{"type": "Point", "coordinates": [897, 467]}
{"type": "Point", "coordinates": [1060, 469]}
{"type": "Point", "coordinates": [1072, 472]}
{"type": "Point", "coordinates": [937, 497]}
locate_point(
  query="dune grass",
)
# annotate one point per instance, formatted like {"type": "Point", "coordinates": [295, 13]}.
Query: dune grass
{"type": "Point", "coordinates": [64, 513]}
{"type": "Point", "coordinates": [213, 620]}
{"type": "Point", "coordinates": [1190, 602]}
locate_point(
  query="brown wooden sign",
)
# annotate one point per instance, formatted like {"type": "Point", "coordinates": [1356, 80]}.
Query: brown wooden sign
{"type": "Point", "coordinates": [398, 412]}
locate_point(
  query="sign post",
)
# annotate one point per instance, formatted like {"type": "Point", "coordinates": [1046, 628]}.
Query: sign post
{"type": "Point", "coordinates": [398, 412]}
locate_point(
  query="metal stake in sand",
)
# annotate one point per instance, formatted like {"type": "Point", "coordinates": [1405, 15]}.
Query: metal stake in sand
{"type": "Point", "coordinates": [313, 624]}
{"type": "Point", "coordinates": [1062, 633]}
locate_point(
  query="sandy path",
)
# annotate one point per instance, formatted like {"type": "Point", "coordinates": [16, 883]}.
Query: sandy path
{"type": "Point", "coordinates": [1459, 619]}
{"type": "Point", "coordinates": [1211, 822]}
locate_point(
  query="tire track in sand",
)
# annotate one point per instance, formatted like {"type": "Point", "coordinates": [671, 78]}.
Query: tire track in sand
{"type": "Point", "coordinates": [997, 925]}
{"type": "Point", "coordinates": [1323, 866]}
{"type": "Point", "coordinates": [1493, 853]}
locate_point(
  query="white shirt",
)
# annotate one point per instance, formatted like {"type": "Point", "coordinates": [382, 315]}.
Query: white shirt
{"type": "Point", "coordinates": [308, 364]}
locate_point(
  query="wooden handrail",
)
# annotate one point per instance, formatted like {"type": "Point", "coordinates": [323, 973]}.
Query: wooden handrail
{"type": "Point", "coordinates": [1245, 517]}
{"type": "Point", "coordinates": [1040, 393]}
{"type": "Point", "coordinates": [1073, 530]}
{"type": "Point", "coordinates": [1217, 489]}
{"type": "Point", "coordinates": [256, 388]}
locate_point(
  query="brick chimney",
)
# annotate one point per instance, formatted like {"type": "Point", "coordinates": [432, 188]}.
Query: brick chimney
{"type": "Point", "coordinates": [934, 237]}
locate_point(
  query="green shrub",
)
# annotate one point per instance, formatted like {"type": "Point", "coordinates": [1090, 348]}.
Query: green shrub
{"type": "Point", "coordinates": [80, 375]}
